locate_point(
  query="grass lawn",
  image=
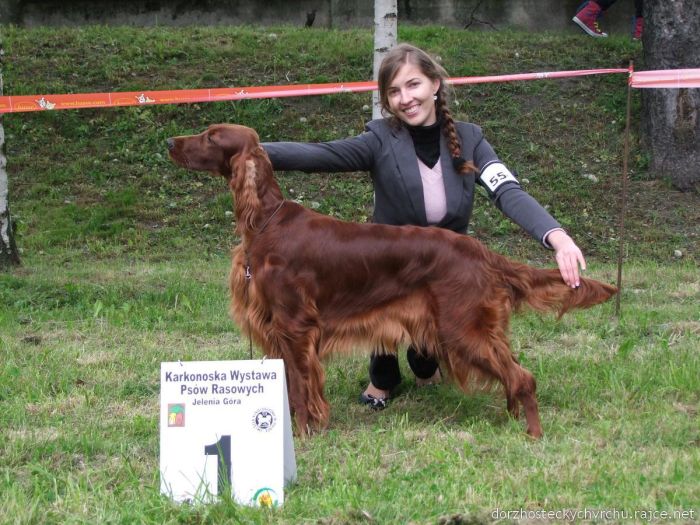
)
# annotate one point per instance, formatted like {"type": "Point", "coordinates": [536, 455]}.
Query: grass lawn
{"type": "Point", "coordinates": [125, 261]}
{"type": "Point", "coordinates": [80, 348]}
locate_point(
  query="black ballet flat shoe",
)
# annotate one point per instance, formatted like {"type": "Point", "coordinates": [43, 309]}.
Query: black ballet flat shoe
{"type": "Point", "coordinates": [375, 403]}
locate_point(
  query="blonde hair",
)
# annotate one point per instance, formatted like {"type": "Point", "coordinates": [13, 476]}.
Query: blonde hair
{"type": "Point", "coordinates": [408, 54]}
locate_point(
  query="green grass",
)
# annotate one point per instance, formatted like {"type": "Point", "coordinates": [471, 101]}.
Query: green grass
{"type": "Point", "coordinates": [125, 259]}
{"type": "Point", "coordinates": [80, 348]}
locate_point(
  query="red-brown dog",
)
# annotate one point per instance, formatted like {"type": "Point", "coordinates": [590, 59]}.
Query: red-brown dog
{"type": "Point", "coordinates": [305, 285]}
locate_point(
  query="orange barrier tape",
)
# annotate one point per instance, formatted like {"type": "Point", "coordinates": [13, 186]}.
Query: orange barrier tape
{"type": "Point", "coordinates": [674, 78]}
{"type": "Point", "coordinates": [535, 76]}
{"type": "Point", "coordinates": [25, 103]}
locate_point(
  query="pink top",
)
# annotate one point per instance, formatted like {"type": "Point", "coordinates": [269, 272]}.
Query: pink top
{"type": "Point", "coordinates": [433, 192]}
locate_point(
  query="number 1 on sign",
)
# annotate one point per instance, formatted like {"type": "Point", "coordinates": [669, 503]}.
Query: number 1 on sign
{"type": "Point", "coordinates": [222, 450]}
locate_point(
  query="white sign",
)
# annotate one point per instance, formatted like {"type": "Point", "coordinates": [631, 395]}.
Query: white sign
{"type": "Point", "coordinates": [224, 426]}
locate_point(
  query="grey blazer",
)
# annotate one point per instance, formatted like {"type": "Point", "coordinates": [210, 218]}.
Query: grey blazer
{"type": "Point", "coordinates": [388, 154]}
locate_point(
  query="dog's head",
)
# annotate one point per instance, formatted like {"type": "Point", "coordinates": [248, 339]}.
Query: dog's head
{"type": "Point", "coordinates": [235, 153]}
{"type": "Point", "coordinates": [220, 149]}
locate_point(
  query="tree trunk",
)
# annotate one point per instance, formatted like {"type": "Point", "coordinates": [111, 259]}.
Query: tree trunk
{"type": "Point", "coordinates": [671, 117]}
{"type": "Point", "coordinates": [385, 31]}
{"type": "Point", "coordinates": [8, 250]}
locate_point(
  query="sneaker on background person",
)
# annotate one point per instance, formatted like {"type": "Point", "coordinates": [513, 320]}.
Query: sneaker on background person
{"type": "Point", "coordinates": [587, 18]}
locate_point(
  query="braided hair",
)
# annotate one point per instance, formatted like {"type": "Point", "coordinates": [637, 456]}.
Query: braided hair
{"type": "Point", "coordinates": [406, 53]}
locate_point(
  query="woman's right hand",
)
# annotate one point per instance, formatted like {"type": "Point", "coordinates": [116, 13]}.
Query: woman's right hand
{"type": "Point", "coordinates": [568, 256]}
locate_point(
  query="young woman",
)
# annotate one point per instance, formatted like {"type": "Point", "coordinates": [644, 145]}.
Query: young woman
{"type": "Point", "coordinates": [424, 167]}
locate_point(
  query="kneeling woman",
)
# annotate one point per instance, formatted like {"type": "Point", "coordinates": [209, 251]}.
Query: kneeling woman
{"type": "Point", "coordinates": [424, 167]}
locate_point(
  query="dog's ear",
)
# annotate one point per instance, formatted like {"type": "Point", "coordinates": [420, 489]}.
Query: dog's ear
{"type": "Point", "coordinates": [244, 187]}
{"type": "Point", "coordinates": [233, 168]}
{"type": "Point", "coordinates": [222, 142]}
{"type": "Point", "coordinates": [237, 164]}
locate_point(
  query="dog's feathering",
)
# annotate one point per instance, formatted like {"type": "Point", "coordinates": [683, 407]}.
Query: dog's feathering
{"type": "Point", "coordinates": [321, 286]}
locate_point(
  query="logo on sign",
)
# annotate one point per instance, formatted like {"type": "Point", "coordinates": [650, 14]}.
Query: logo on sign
{"type": "Point", "coordinates": [266, 497]}
{"type": "Point", "coordinates": [176, 415]}
{"type": "Point", "coordinates": [264, 419]}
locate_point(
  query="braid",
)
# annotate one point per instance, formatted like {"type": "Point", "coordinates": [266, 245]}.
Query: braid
{"type": "Point", "coordinates": [450, 131]}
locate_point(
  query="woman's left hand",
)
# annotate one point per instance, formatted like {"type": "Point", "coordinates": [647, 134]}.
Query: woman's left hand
{"type": "Point", "coordinates": [568, 257]}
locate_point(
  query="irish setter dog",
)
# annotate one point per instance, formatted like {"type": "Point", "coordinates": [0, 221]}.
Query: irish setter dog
{"type": "Point", "coordinates": [305, 285]}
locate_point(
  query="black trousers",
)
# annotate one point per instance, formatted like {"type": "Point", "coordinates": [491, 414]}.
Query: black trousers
{"type": "Point", "coordinates": [384, 368]}
{"type": "Point", "coordinates": [638, 6]}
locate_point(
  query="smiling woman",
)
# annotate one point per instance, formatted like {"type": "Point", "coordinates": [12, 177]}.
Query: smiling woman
{"type": "Point", "coordinates": [412, 95]}
{"type": "Point", "coordinates": [424, 167]}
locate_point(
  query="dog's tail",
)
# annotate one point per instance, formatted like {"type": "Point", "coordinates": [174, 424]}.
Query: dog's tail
{"type": "Point", "coordinates": [546, 291]}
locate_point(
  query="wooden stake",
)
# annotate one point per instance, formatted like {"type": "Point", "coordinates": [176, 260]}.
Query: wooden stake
{"type": "Point", "coordinates": [623, 197]}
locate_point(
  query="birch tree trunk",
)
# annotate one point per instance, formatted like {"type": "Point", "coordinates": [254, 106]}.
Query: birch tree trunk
{"type": "Point", "coordinates": [385, 31]}
{"type": "Point", "coordinates": [8, 250]}
{"type": "Point", "coordinates": [671, 117]}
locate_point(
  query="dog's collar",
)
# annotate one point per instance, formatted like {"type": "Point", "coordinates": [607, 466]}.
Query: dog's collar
{"type": "Point", "coordinates": [248, 273]}
{"type": "Point", "coordinates": [262, 228]}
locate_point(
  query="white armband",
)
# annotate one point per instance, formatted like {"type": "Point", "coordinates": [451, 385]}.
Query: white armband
{"type": "Point", "coordinates": [494, 175]}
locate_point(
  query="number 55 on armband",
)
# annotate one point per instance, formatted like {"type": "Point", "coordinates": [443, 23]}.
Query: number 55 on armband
{"type": "Point", "coordinates": [494, 175]}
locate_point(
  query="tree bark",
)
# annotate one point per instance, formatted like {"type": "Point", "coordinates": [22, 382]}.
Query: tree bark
{"type": "Point", "coordinates": [385, 31]}
{"type": "Point", "coordinates": [671, 117]}
{"type": "Point", "coordinates": [8, 250]}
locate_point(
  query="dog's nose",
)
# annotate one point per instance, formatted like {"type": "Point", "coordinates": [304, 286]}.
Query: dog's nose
{"type": "Point", "coordinates": [171, 143]}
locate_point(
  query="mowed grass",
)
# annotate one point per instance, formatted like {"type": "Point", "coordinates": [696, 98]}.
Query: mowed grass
{"type": "Point", "coordinates": [80, 348]}
{"type": "Point", "coordinates": [125, 260]}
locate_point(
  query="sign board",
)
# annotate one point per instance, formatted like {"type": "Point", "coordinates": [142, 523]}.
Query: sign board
{"type": "Point", "coordinates": [225, 426]}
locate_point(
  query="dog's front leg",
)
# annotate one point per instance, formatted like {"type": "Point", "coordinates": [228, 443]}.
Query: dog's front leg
{"type": "Point", "coordinates": [295, 334]}
{"type": "Point", "coordinates": [305, 379]}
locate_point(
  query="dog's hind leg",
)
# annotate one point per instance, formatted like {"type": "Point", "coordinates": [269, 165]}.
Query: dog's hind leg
{"type": "Point", "coordinates": [526, 395]}
{"type": "Point", "coordinates": [491, 357]}
{"type": "Point", "coordinates": [519, 384]}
